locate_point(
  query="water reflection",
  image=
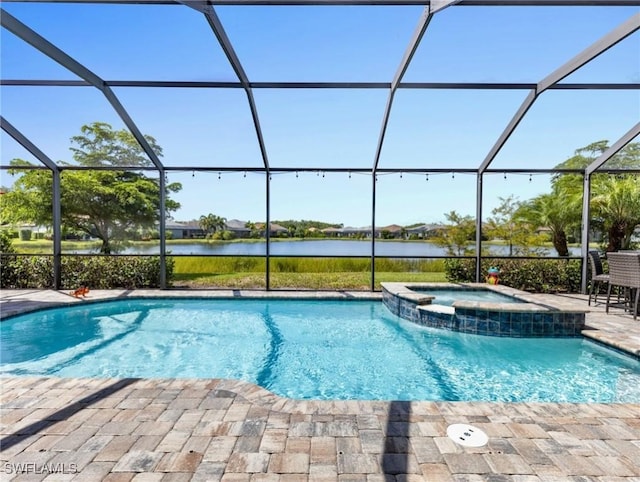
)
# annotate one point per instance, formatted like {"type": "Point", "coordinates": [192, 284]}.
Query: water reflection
{"type": "Point", "coordinates": [321, 247]}
{"type": "Point", "coordinates": [55, 331]}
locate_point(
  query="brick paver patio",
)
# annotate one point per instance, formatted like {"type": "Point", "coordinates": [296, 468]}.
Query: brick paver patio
{"type": "Point", "coordinates": [210, 430]}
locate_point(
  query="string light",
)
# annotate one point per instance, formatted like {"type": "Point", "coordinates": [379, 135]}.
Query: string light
{"type": "Point", "coordinates": [219, 175]}
{"type": "Point", "coordinates": [505, 175]}
{"type": "Point", "coordinates": [245, 174]}
{"type": "Point", "coordinates": [530, 177]}
{"type": "Point", "coordinates": [296, 174]}
{"type": "Point", "coordinates": [453, 175]}
{"type": "Point", "coordinates": [193, 173]}
{"type": "Point", "coordinates": [322, 173]}
{"type": "Point", "coordinates": [349, 174]}
{"type": "Point", "coordinates": [400, 174]}
{"type": "Point", "coordinates": [427, 176]}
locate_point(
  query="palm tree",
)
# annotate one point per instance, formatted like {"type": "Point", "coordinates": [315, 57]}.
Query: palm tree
{"type": "Point", "coordinates": [613, 204]}
{"type": "Point", "coordinates": [617, 204]}
{"type": "Point", "coordinates": [556, 212]}
{"type": "Point", "coordinates": [212, 223]}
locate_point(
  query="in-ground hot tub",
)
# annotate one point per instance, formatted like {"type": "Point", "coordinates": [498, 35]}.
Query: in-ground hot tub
{"type": "Point", "coordinates": [487, 310]}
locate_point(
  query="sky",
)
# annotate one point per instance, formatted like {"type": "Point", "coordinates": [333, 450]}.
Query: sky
{"type": "Point", "coordinates": [327, 128]}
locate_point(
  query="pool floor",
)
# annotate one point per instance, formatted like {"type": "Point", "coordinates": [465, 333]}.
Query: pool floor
{"type": "Point", "coordinates": [310, 350]}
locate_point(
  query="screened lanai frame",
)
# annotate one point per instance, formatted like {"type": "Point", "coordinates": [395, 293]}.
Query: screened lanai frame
{"type": "Point", "coordinates": [207, 8]}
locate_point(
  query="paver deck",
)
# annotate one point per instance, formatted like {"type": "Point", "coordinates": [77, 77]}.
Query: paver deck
{"type": "Point", "coordinates": [211, 429]}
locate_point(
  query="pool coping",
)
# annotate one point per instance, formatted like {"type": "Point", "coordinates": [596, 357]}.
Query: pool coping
{"type": "Point", "coordinates": [53, 298]}
{"type": "Point", "coordinates": [529, 302]}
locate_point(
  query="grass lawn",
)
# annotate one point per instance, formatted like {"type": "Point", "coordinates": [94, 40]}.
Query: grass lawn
{"type": "Point", "coordinates": [333, 281]}
{"type": "Point", "coordinates": [300, 273]}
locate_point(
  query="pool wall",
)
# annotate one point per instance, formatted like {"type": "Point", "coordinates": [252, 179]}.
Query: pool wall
{"type": "Point", "coordinates": [526, 319]}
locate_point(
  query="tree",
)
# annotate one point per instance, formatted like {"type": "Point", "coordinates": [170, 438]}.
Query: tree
{"type": "Point", "coordinates": [554, 211]}
{"type": "Point", "coordinates": [6, 246]}
{"type": "Point", "coordinates": [212, 223]}
{"type": "Point", "coordinates": [100, 145]}
{"type": "Point", "coordinates": [457, 235]}
{"type": "Point", "coordinates": [106, 204]}
{"type": "Point", "coordinates": [618, 206]}
{"type": "Point", "coordinates": [613, 201]}
{"type": "Point", "coordinates": [254, 232]}
{"type": "Point", "coordinates": [510, 224]}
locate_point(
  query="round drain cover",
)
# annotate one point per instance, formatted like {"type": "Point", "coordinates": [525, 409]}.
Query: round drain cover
{"type": "Point", "coordinates": [467, 435]}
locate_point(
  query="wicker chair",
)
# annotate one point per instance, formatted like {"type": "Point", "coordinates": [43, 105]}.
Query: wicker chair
{"type": "Point", "coordinates": [598, 277]}
{"type": "Point", "coordinates": [624, 272]}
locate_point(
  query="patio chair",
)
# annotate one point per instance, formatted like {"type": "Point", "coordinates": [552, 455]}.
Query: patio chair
{"type": "Point", "coordinates": [624, 272]}
{"type": "Point", "coordinates": [598, 276]}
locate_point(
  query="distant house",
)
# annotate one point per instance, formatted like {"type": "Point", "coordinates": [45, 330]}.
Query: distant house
{"type": "Point", "coordinates": [335, 232]}
{"type": "Point", "coordinates": [275, 229]}
{"type": "Point", "coordinates": [34, 231]}
{"type": "Point", "coordinates": [357, 232]}
{"type": "Point", "coordinates": [184, 230]}
{"type": "Point", "coordinates": [393, 231]}
{"type": "Point", "coordinates": [426, 230]}
{"type": "Point", "coordinates": [238, 228]}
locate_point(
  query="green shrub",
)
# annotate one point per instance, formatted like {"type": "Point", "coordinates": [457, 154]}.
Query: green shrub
{"type": "Point", "coordinates": [460, 270]}
{"type": "Point", "coordinates": [6, 245]}
{"type": "Point", "coordinates": [25, 235]}
{"type": "Point", "coordinates": [223, 235]}
{"type": "Point", "coordinates": [26, 271]}
{"type": "Point", "coordinates": [535, 275]}
{"type": "Point", "coordinates": [95, 272]}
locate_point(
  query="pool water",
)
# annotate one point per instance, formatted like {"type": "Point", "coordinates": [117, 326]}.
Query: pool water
{"type": "Point", "coordinates": [310, 350]}
{"type": "Point", "coordinates": [444, 296]}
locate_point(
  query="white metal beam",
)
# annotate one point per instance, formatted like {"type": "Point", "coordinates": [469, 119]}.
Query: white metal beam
{"type": "Point", "coordinates": [21, 139]}
{"type": "Point", "coordinates": [586, 193]}
{"type": "Point", "coordinates": [216, 26]}
{"type": "Point", "coordinates": [598, 47]}
{"type": "Point", "coordinates": [56, 194]}
{"type": "Point", "coordinates": [517, 3]}
{"type": "Point", "coordinates": [19, 29]}
{"type": "Point", "coordinates": [613, 150]}
{"type": "Point", "coordinates": [587, 55]}
{"type": "Point", "coordinates": [418, 33]}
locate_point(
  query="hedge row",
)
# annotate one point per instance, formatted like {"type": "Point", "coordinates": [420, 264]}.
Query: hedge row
{"type": "Point", "coordinates": [534, 275]}
{"type": "Point", "coordinates": [94, 272]}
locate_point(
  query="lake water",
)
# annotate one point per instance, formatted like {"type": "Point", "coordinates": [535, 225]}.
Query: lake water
{"type": "Point", "coordinates": [319, 247]}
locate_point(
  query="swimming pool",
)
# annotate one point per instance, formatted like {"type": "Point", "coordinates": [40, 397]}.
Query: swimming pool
{"type": "Point", "coordinates": [310, 350]}
{"type": "Point", "coordinates": [446, 297]}
{"type": "Point", "coordinates": [481, 309]}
